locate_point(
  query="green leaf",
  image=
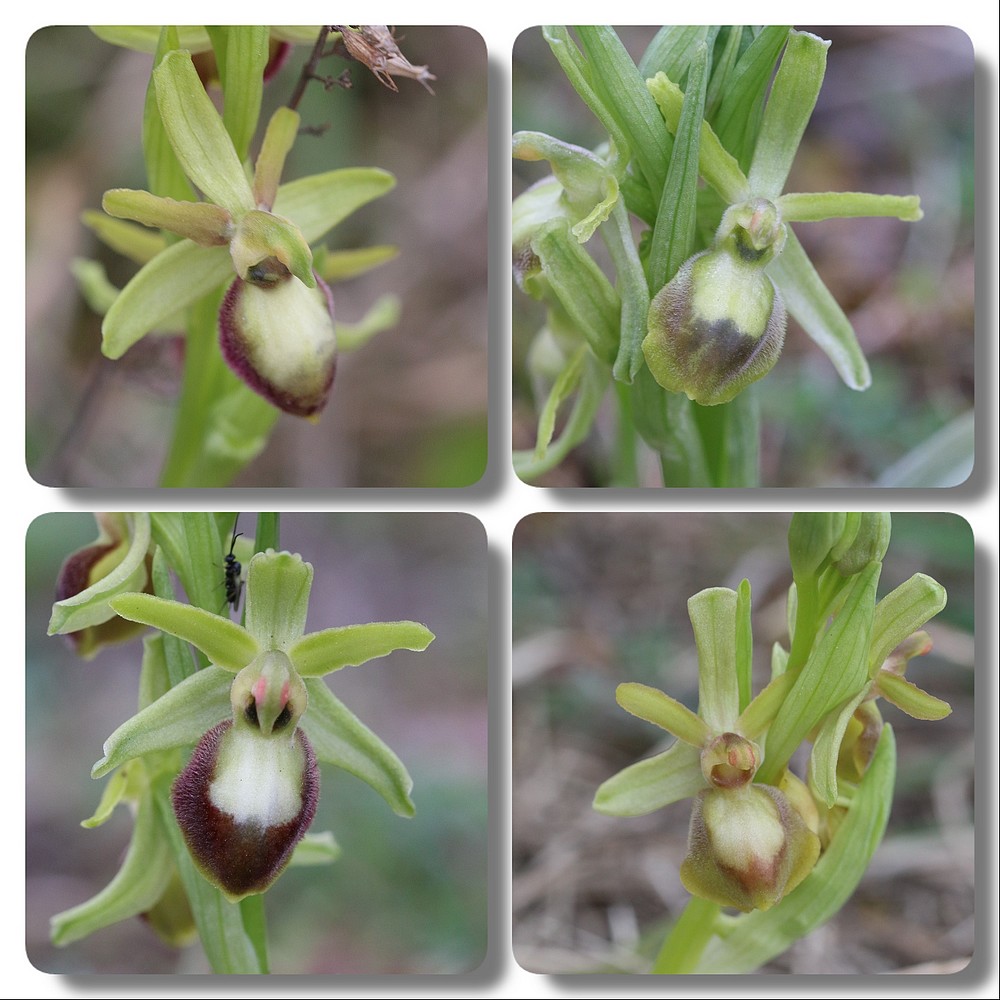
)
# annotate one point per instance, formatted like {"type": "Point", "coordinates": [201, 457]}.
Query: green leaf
{"type": "Point", "coordinates": [755, 938]}
{"type": "Point", "coordinates": [318, 203]}
{"type": "Point", "coordinates": [946, 458]}
{"type": "Point", "coordinates": [278, 586]}
{"type": "Point", "coordinates": [835, 671]}
{"type": "Point", "coordinates": [181, 717]}
{"type": "Point", "coordinates": [220, 923]}
{"type": "Point", "coordinates": [650, 784]}
{"type": "Point", "coordinates": [322, 652]}
{"type": "Point", "coordinates": [654, 706]}
{"type": "Point", "coordinates": [713, 617]}
{"type": "Point", "coordinates": [241, 52]}
{"type": "Point", "coordinates": [811, 303]}
{"type": "Point", "coordinates": [198, 135]}
{"type": "Point", "coordinates": [674, 232]}
{"type": "Point", "coordinates": [138, 884]}
{"type": "Point", "coordinates": [789, 108]}
{"type": "Point", "coordinates": [171, 281]}
{"type": "Point", "coordinates": [671, 50]}
{"type": "Point", "coordinates": [338, 737]}
{"type": "Point", "coordinates": [228, 645]}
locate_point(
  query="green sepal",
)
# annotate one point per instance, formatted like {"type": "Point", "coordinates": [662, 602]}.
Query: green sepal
{"type": "Point", "coordinates": [144, 37]}
{"type": "Point", "coordinates": [95, 287]}
{"type": "Point", "coordinates": [278, 586]}
{"type": "Point", "coordinates": [199, 221]}
{"type": "Point", "coordinates": [744, 645]}
{"type": "Point", "coordinates": [754, 939]}
{"type": "Point", "coordinates": [817, 311]}
{"type": "Point", "coordinates": [138, 884]}
{"type": "Point", "coordinates": [164, 173]}
{"type": "Point", "coordinates": [114, 792]}
{"type": "Point", "coordinates": [901, 613]}
{"type": "Point", "coordinates": [652, 783]}
{"type": "Point", "coordinates": [826, 750]}
{"type": "Point", "coordinates": [198, 135]}
{"type": "Point", "coordinates": [908, 698]}
{"type": "Point", "coordinates": [322, 652]}
{"type": "Point", "coordinates": [787, 112]}
{"type": "Point", "coordinates": [228, 645]}
{"type": "Point", "coordinates": [835, 671]}
{"type": "Point", "coordinates": [565, 384]}
{"type": "Point", "coordinates": [339, 265]}
{"type": "Point", "coordinates": [383, 315]}
{"type": "Point", "coordinates": [171, 281]}
{"type": "Point", "coordinates": [129, 239]}
{"type": "Point", "coordinates": [338, 737]}
{"type": "Point", "coordinates": [713, 617]}
{"type": "Point", "coordinates": [182, 716]}
{"type": "Point", "coordinates": [654, 706]}
{"type": "Point", "coordinates": [318, 203]}
{"type": "Point", "coordinates": [92, 606]}
{"type": "Point", "coordinates": [315, 849]}
{"type": "Point", "coordinates": [278, 141]}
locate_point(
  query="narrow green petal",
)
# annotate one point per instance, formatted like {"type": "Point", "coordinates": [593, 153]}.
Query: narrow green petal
{"type": "Point", "coordinates": [338, 737]}
{"type": "Point", "coordinates": [198, 135]}
{"type": "Point", "coordinates": [315, 849]}
{"type": "Point", "coordinates": [713, 617]}
{"type": "Point", "coordinates": [203, 223]}
{"type": "Point", "coordinates": [826, 750]}
{"type": "Point", "coordinates": [139, 883]}
{"type": "Point", "coordinates": [278, 585]}
{"type": "Point", "coordinates": [654, 706]}
{"type": "Point", "coordinates": [811, 303]}
{"type": "Point", "coordinates": [760, 713]}
{"type": "Point", "coordinates": [653, 783]}
{"type": "Point", "coordinates": [339, 265]}
{"type": "Point", "coordinates": [182, 716]}
{"type": "Point", "coordinates": [848, 205]}
{"type": "Point", "coordinates": [351, 645]}
{"type": "Point", "coordinates": [171, 281]}
{"type": "Point", "coordinates": [278, 140]}
{"type": "Point", "coordinates": [228, 645]}
{"type": "Point", "coordinates": [383, 315]}
{"type": "Point", "coordinates": [114, 792]}
{"type": "Point", "coordinates": [317, 203]}
{"type": "Point", "coordinates": [787, 112]}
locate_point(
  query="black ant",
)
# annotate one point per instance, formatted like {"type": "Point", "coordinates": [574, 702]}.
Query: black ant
{"type": "Point", "coordinates": [234, 571]}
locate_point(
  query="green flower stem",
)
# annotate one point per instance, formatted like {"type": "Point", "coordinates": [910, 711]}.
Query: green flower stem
{"type": "Point", "coordinates": [625, 471]}
{"type": "Point", "coordinates": [687, 938]}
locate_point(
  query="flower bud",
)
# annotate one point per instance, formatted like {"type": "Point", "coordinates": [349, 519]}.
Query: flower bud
{"type": "Point", "coordinates": [747, 847]}
{"type": "Point", "coordinates": [811, 537]}
{"type": "Point", "coordinates": [719, 323]}
{"type": "Point", "coordinates": [279, 337]}
{"type": "Point", "coordinates": [869, 544]}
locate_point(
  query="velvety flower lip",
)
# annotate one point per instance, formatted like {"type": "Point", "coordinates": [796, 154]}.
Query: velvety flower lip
{"type": "Point", "coordinates": [243, 812]}
{"type": "Point", "coordinates": [294, 372]}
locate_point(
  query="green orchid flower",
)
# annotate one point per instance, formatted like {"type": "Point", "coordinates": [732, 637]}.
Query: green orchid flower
{"type": "Point", "coordinates": [276, 324]}
{"type": "Point", "coordinates": [117, 562]}
{"type": "Point", "coordinates": [262, 719]}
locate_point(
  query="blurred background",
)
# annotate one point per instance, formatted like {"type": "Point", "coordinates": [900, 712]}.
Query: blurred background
{"type": "Point", "coordinates": [406, 895]}
{"type": "Point", "coordinates": [408, 409]}
{"type": "Point", "coordinates": [599, 599]}
{"type": "Point", "coordinates": [895, 116]}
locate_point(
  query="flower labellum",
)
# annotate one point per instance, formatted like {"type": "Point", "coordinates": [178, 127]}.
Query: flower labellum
{"type": "Point", "coordinates": [719, 323]}
{"type": "Point", "coordinates": [278, 335]}
{"type": "Point", "coordinates": [747, 847]}
{"type": "Point", "coordinates": [249, 792]}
